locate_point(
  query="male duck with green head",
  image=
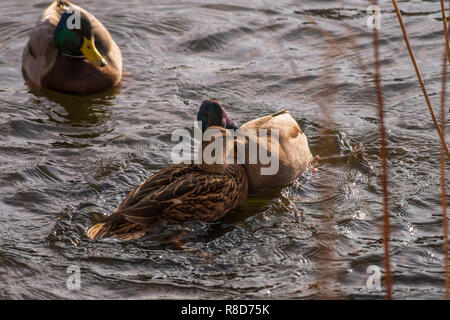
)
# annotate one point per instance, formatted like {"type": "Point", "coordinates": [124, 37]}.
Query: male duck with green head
{"type": "Point", "coordinates": [71, 51]}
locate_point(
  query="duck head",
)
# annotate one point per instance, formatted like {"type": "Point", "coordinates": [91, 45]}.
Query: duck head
{"type": "Point", "coordinates": [73, 36]}
{"type": "Point", "coordinates": [212, 113]}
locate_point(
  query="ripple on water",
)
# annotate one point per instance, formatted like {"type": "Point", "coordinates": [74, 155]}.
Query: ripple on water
{"type": "Point", "coordinates": [67, 160]}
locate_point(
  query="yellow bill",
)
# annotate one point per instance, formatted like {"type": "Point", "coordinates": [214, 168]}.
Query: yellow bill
{"type": "Point", "coordinates": [91, 53]}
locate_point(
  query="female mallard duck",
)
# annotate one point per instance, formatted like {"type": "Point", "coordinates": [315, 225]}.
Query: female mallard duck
{"type": "Point", "coordinates": [177, 194]}
{"type": "Point", "coordinates": [71, 51]}
{"type": "Point", "coordinates": [293, 151]}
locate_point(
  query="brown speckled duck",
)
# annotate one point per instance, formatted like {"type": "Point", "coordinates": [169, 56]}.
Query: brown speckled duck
{"type": "Point", "coordinates": [293, 150]}
{"type": "Point", "coordinates": [177, 194]}
{"type": "Point", "coordinates": [70, 51]}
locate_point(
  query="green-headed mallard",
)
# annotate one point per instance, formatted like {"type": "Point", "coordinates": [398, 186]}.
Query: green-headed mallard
{"type": "Point", "coordinates": [177, 194]}
{"type": "Point", "coordinates": [71, 51]}
{"type": "Point", "coordinates": [293, 150]}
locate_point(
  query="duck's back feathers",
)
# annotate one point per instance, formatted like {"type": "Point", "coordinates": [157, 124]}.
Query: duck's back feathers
{"type": "Point", "coordinates": [176, 194]}
{"type": "Point", "coordinates": [293, 151]}
{"type": "Point", "coordinates": [40, 53]}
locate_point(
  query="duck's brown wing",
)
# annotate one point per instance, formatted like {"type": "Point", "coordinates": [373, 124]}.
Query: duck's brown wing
{"type": "Point", "coordinates": [117, 226]}
{"type": "Point", "coordinates": [176, 194]}
{"type": "Point", "coordinates": [194, 195]}
{"type": "Point", "coordinates": [155, 182]}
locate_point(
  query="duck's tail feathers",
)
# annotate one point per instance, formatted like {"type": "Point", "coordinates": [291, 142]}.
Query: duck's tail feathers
{"type": "Point", "coordinates": [123, 231]}
{"type": "Point", "coordinates": [62, 4]}
{"type": "Point", "coordinates": [280, 112]}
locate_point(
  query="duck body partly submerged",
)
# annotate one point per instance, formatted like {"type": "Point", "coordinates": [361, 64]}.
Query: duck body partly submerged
{"type": "Point", "coordinates": [84, 60]}
{"type": "Point", "coordinates": [177, 194]}
{"type": "Point", "coordinates": [292, 150]}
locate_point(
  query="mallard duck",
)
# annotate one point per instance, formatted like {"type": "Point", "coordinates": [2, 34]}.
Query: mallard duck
{"type": "Point", "coordinates": [177, 194]}
{"type": "Point", "coordinates": [293, 150]}
{"type": "Point", "coordinates": [69, 50]}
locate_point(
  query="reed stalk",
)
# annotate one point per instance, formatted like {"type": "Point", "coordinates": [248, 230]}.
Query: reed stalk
{"type": "Point", "coordinates": [419, 77]}
{"type": "Point", "coordinates": [384, 164]}
{"type": "Point", "coordinates": [444, 23]}
{"type": "Point", "coordinates": [327, 275]}
{"type": "Point", "coordinates": [443, 173]}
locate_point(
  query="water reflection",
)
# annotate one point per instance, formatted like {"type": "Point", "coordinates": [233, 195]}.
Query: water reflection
{"type": "Point", "coordinates": [66, 159]}
{"type": "Point", "coordinates": [78, 110]}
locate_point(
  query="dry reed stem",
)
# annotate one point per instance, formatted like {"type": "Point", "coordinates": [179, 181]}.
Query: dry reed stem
{"type": "Point", "coordinates": [444, 23]}
{"type": "Point", "coordinates": [419, 77]}
{"type": "Point", "coordinates": [384, 165]}
{"type": "Point", "coordinates": [328, 78]}
{"type": "Point", "coordinates": [326, 274]}
{"type": "Point", "coordinates": [323, 101]}
{"type": "Point", "coordinates": [443, 176]}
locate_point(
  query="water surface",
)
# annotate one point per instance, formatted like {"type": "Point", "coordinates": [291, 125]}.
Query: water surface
{"type": "Point", "coordinates": [65, 159]}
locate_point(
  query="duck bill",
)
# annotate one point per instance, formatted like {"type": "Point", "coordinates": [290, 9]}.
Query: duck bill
{"type": "Point", "coordinates": [91, 53]}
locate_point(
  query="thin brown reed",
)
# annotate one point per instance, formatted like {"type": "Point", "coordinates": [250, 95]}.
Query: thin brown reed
{"type": "Point", "coordinates": [444, 23]}
{"type": "Point", "coordinates": [443, 176]}
{"type": "Point", "coordinates": [419, 77]}
{"type": "Point", "coordinates": [384, 164]}
{"type": "Point", "coordinates": [327, 275]}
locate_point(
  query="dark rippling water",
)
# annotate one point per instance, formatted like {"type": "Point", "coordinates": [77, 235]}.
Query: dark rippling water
{"type": "Point", "coordinates": [66, 159]}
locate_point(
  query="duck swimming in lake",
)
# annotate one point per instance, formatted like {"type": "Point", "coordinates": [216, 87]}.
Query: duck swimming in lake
{"type": "Point", "coordinates": [70, 51]}
{"type": "Point", "coordinates": [177, 194]}
{"type": "Point", "coordinates": [294, 155]}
